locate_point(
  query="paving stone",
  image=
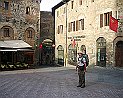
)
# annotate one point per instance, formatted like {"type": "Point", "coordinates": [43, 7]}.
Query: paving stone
{"type": "Point", "coordinates": [61, 82]}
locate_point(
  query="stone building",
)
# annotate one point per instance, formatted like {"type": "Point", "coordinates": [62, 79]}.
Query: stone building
{"type": "Point", "coordinates": [84, 25]}
{"type": "Point", "coordinates": [47, 38]}
{"type": "Point", "coordinates": [19, 20]}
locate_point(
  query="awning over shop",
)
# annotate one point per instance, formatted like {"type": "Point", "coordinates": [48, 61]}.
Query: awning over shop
{"type": "Point", "coordinates": [30, 50]}
{"type": "Point", "coordinates": [15, 45]}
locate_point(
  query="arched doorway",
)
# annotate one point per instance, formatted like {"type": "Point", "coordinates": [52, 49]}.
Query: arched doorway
{"type": "Point", "coordinates": [101, 52]}
{"type": "Point", "coordinates": [72, 54]}
{"type": "Point", "coordinates": [60, 55]}
{"type": "Point", "coordinates": [119, 54]}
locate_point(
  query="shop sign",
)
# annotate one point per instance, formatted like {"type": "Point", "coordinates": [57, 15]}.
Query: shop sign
{"type": "Point", "coordinates": [77, 38]}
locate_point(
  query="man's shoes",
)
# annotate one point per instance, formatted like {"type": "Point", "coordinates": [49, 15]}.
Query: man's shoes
{"type": "Point", "coordinates": [83, 86]}
{"type": "Point", "coordinates": [79, 86]}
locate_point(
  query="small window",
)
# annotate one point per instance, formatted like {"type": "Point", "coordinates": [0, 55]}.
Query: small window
{"type": "Point", "coordinates": [60, 29]}
{"type": "Point", "coordinates": [29, 33]}
{"type": "Point", "coordinates": [18, 7]}
{"type": "Point", "coordinates": [6, 5]}
{"type": "Point", "coordinates": [72, 3]}
{"type": "Point", "coordinates": [64, 10]}
{"type": "Point", "coordinates": [6, 32]}
{"type": "Point", "coordinates": [80, 2]}
{"type": "Point", "coordinates": [57, 13]}
{"type": "Point", "coordinates": [27, 10]}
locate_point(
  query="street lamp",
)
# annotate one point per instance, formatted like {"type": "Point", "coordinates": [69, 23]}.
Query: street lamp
{"type": "Point", "coordinates": [65, 1]}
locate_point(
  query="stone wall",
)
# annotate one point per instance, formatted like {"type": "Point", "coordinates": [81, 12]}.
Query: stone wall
{"type": "Point", "coordinates": [17, 18]}
{"type": "Point", "coordinates": [90, 11]}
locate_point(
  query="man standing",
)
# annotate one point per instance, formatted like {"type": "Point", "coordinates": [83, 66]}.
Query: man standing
{"type": "Point", "coordinates": [81, 66]}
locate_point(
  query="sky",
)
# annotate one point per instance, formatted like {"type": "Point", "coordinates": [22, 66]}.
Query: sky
{"type": "Point", "coordinates": [46, 5]}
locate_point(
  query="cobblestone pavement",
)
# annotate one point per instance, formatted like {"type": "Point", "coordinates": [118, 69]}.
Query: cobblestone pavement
{"type": "Point", "coordinates": [61, 82]}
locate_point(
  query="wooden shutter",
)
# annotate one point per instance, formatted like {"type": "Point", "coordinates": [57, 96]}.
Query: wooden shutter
{"type": "Point", "coordinates": [74, 26]}
{"type": "Point", "coordinates": [77, 25]}
{"type": "Point", "coordinates": [101, 20]}
{"type": "Point", "coordinates": [82, 24]}
{"type": "Point", "coordinates": [58, 29]}
{"type": "Point", "coordinates": [108, 20]}
{"type": "Point", "coordinates": [69, 27]}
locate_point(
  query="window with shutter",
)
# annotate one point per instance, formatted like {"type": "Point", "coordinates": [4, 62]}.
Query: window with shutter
{"type": "Point", "coordinates": [107, 18]}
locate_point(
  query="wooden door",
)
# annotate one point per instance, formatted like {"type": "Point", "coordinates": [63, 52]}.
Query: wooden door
{"type": "Point", "coordinates": [119, 54]}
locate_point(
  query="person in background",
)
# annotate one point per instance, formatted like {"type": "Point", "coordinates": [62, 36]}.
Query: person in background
{"type": "Point", "coordinates": [81, 66]}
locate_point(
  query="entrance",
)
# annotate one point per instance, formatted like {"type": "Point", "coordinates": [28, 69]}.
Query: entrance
{"type": "Point", "coordinates": [60, 55]}
{"type": "Point", "coordinates": [47, 52]}
{"type": "Point", "coordinates": [119, 54]}
{"type": "Point", "coordinates": [101, 52]}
